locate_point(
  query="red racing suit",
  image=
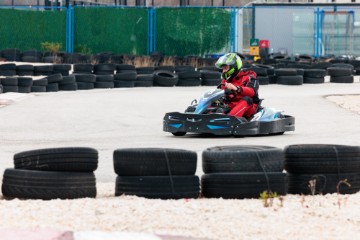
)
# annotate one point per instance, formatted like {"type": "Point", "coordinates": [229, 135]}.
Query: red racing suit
{"type": "Point", "coordinates": [242, 103]}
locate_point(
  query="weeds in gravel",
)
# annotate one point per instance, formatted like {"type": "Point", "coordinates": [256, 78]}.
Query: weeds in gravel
{"type": "Point", "coordinates": [339, 198]}
{"type": "Point", "coordinates": [268, 198]}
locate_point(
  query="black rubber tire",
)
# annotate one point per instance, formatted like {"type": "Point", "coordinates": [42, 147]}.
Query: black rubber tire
{"type": "Point", "coordinates": [145, 70]}
{"type": "Point", "coordinates": [285, 72]}
{"type": "Point", "coordinates": [322, 158]}
{"type": "Point", "coordinates": [325, 183]}
{"type": "Point", "coordinates": [8, 66]}
{"type": "Point", "coordinates": [314, 80]}
{"type": "Point", "coordinates": [315, 73]}
{"type": "Point", "coordinates": [35, 88]}
{"type": "Point", "coordinates": [189, 74]}
{"type": "Point", "coordinates": [84, 85]}
{"type": "Point", "coordinates": [290, 80]}
{"type": "Point", "coordinates": [342, 79]}
{"type": "Point", "coordinates": [242, 185]}
{"type": "Point", "coordinates": [7, 73]}
{"type": "Point", "coordinates": [25, 73]}
{"type": "Point", "coordinates": [83, 68]}
{"type": "Point", "coordinates": [121, 67]}
{"type": "Point", "coordinates": [105, 67]}
{"type": "Point", "coordinates": [47, 69]}
{"type": "Point", "coordinates": [68, 87]}
{"type": "Point", "coordinates": [343, 65]}
{"type": "Point", "coordinates": [263, 80]}
{"type": "Point", "coordinates": [62, 67]}
{"type": "Point", "coordinates": [159, 187]}
{"type": "Point", "coordinates": [40, 82]}
{"type": "Point", "coordinates": [9, 81]}
{"type": "Point", "coordinates": [54, 78]}
{"type": "Point", "coordinates": [71, 159]}
{"type": "Point", "coordinates": [165, 78]}
{"type": "Point", "coordinates": [260, 71]}
{"type": "Point", "coordinates": [182, 68]}
{"type": "Point", "coordinates": [124, 84]}
{"type": "Point", "coordinates": [68, 80]}
{"type": "Point", "coordinates": [154, 162]}
{"type": "Point", "coordinates": [189, 82]}
{"type": "Point", "coordinates": [31, 59]}
{"type": "Point", "coordinates": [104, 85]}
{"type": "Point", "coordinates": [125, 76]}
{"type": "Point", "coordinates": [179, 134]}
{"type": "Point", "coordinates": [52, 87]}
{"type": "Point", "coordinates": [165, 68]}
{"type": "Point", "coordinates": [25, 81]}
{"type": "Point", "coordinates": [10, 88]}
{"type": "Point", "coordinates": [247, 158]}
{"type": "Point", "coordinates": [22, 89]}
{"type": "Point", "coordinates": [86, 78]}
{"type": "Point", "coordinates": [210, 82]}
{"type": "Point", "coordinates": [210, 75]}
{"type": "Point", "coordinates": [24, 68]}
{"type": "Point", "coordinates": [321, 65]}
{"type": "Point", "coordinates": [46, 185]}
{"type": "Point", "coordinates": [339, 72]}
{"type": "Point", "coordinates": [104, 78]}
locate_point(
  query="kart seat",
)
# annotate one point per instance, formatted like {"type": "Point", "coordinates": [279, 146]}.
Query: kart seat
{"type": "Point", "coordinates": [259, 107]}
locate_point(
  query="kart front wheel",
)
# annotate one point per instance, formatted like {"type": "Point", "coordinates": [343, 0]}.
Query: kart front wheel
{"type": "Point", "coordinates": [179, 134]}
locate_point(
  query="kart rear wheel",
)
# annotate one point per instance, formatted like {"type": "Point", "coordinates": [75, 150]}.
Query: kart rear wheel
{"type": "Point", "coordinates": [179, 134]}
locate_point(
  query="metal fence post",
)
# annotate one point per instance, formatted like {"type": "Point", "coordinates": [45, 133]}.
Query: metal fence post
{"type": "Point", "coordinates": [316, 36]}
{"type": "Point", "coordinates": [70, 29]}
{"type": "Point", "coordinates": [150, 47]}
{"type": "Point", "coordinates": [233, 29]}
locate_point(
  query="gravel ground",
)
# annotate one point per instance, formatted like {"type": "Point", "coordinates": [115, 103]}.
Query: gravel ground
{"type": "Point", "coordinates": [330, 216]}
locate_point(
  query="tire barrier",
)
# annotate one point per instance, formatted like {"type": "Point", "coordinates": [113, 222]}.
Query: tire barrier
{"type": "Point", "coordinates": [320, 168]}
{"type": "Point", "coordinates": [242, 171]}
{"type": "Point", "coordinates": [230, 172]}
{"type": "Point", "coordinates": [64, 173]}
{"type": "Point", "coordinates": [278, 71]}
{"type": "Point", "coordinates": [156, 173]}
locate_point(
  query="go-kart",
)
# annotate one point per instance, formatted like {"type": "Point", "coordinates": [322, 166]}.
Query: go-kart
{"type": "Point", "coordinates": [209, 116]}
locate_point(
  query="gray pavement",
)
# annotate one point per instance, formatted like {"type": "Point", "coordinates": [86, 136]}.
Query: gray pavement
{"type": "Point", "coordinates": [132, 118]}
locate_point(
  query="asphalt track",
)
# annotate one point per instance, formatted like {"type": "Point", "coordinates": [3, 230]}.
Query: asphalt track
{"type": "Point", "coordinates": [108, 119]}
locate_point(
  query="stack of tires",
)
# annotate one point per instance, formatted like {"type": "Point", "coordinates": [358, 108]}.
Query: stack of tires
{"type": "Point", "coordinates": [10, 84]}
{"type": "Point", "coordinates": [322, 168]}
{"type": "Point", "coordinates": [210, 77]}
{"type": "Point", "coordinates": [8, 69]}
{"type": "Point", "coordinates": [356, 64]}
{"type": "Point", "coordinates": [52, 173]}
{"type": "Point", "coordinates": [144, 77]}
{"type": "Point", "coordinates": [25, 84]}
{"type": "Point", "coordinates": [43, 70]}
{"type": "Point", "coordinates": [239, 172]}
{"type": "Point", "coordinates": [31, 56]}
{"type": "Point", "coordinates": [314, 76]}
{"type": "Point", "coordinates": [104, 81]}
{"type": "Point", "coordinates": [188, 76]}
{"type": "Point", "coordinates": [53, 82]}
{"type": "Point", "coordinates": [85, 81]}
{"type": "Point", "coordinates": [341, 73]}
{"type": "Point", "coordinates": [68, 83]}
{"type": "Point", "coordinates": [25, 70]}
{"type": "Point", "coordinates": [63, 69]}
{"type": "Point", "coordinates": [162, 173]}
{"type": "Point", "coordinates": [261, 73]}
{"type": "Point", "coordinates": [125, 76]}
{"type": "Point", "coordinates": [39, 85]}
{"type": "Point", "coordinates": [289, 76]}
